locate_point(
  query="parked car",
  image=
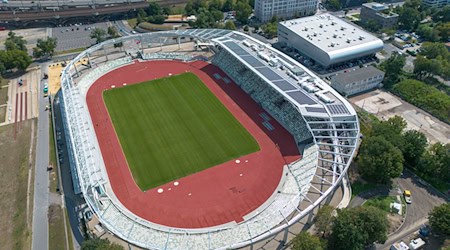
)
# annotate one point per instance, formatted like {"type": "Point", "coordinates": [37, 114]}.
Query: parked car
{"type": "Point", "coordinates": [407, 195]}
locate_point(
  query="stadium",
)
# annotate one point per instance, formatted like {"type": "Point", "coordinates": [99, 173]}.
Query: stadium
{"type": "Point", "coordinates": [217, 148]}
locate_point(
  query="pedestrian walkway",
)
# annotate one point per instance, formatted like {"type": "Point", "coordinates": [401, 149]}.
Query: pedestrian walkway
{"type": "Point", "coordinates": [22, 98]}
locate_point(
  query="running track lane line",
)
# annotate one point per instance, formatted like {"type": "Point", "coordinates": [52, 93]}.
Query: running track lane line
{"type": "Point", "coordinates": [21, 107]}
{"type": "Point", "coordinates": [15, 119]}
{"type": "Point", "coordinates": [26, 106]}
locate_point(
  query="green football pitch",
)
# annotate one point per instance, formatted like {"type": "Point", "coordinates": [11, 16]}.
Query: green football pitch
{"type": "Point", "coordinates": [173, 127]}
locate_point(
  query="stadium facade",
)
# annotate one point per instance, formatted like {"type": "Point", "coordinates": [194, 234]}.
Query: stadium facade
{"type": "Point", "coordinates": [322, 122]}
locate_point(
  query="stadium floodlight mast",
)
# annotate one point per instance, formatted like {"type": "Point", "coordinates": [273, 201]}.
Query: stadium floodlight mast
{"type": "Point", "coordinates": [335, 136]}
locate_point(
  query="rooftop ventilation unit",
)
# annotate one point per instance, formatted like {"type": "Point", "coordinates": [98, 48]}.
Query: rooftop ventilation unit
{"type": "Point", "coordinates": [333, 23]}
{"type": "Point", "coordinates": [321, 25]}
{"type": "Point", "coordinates": [315, 34]}
{"type": "Point", "coordinates": [334, 35]}
{"type": "Point", "coordinates": [332, 44]}
{"type": "Point", "coordinates": [361, 37]}
{"type": "Point", "coordinates": [342, 28]}
{"type": "Point", "coordinates": [349, 40]}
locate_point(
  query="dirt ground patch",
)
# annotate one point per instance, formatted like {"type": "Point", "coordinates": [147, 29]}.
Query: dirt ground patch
{"type": "Point", "coordinates": [3, 95]}
{"type": "Point", "coordinates": [14, 231]}
{"type": "Point", "coordinates": [2, 114]}
{"type": "Point", "coordinates": [395, 220]}
{"type": "Point", "coordinates": [56, 228]}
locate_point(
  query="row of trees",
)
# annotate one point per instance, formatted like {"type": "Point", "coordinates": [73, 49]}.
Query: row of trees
{"type": "Point", "coordinates": [154, 13]}
{"type": "Point", "coordinates": [101, 35]}
{"type": "Point", "coordinates": [352, 229]}
{"type": "Point", "coordinates": [209, 13]}
{"type": "Point", "coordinates": [15, 55]}
{"type": "Point", "coordinates": [388, 147]}
{"type": "Point", "coordinates": [433, 60]}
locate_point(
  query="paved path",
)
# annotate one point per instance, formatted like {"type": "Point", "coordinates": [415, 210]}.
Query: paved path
{"type": "Point", "coordinates": [41, 180]}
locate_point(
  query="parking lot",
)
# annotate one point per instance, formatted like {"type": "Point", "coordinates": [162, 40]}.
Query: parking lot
{"type": "Point", "coordinates": [75, 36]}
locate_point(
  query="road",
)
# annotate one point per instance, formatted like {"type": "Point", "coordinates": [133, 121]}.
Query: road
{"type": "Point", "coordinates": [122, 28]}
{"type": "Point", "coordinates": [424, 199]}
{"type": "Point", "coordinates": [41, 179]}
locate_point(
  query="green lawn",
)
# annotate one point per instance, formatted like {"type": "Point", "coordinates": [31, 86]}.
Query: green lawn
{"type": "Point", "coordinates": [173, 127]}
{"type": "Point", "coordinates": [382, 202]}
{"type": "Point", "coordinates": [359, 187]}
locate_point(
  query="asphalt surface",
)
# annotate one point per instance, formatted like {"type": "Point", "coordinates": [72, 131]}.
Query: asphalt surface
{"type": "Point", "coordinates": [122, 28]}
{"type": "Point", "coordinates": [74, 37]}
{"type": "Point", "coordinates": [41, 179]}
{"type": "Point", "coordinates": [424, 199]}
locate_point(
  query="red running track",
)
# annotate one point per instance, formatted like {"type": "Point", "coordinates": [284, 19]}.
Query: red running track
{"type": "Point", "coordinates": [218, 195]}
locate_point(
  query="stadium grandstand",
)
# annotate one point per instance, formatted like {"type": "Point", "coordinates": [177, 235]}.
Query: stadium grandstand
{"type": "Point", "coordinates": [323, 124]}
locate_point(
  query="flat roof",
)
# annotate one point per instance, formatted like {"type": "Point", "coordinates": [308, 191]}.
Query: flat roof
{"type": "Point", "coordinates": [329, 33]}
{"type": "Point", "coordinates": [357, 75]}
{"type": "Point", "coordinates": [375, 6]}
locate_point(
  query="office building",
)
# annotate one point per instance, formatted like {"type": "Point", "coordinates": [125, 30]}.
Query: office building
{"type": "Point", "coordinates": [357, 81]}
{"type": "Point", "coordinates": [285, 9]}
{"type": "Point", "coordinates": [379, 13]}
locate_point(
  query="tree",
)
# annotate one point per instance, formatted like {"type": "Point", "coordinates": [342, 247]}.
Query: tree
{"type": "Point", "coordinates": [334, 4]}
{"type": "Point", "coordinates": [358, 228]}
{"type": "Point", "coordinates": [373, 25]}
{"type": "Point", "coordinates": [45, 48]}
{"type": "Point", "coordinates": [439, 219]}
{"type": "Point", "coordinates": [14, 59]}
{"type": "Point", "coordinates": [393, 69]}
{"type": "Point", "coordinates": [443, 30]}
{"type": "Point", "coordinates": [409, 18]}
{"type": "Point", "coordinates": [229, 25]}
{"type": "Point", "coordinates": [424, 67]}
{"type": "Point", "coordinates": [100, 244]}
{"type": "Point", "coordinates": [189, 8]}
{"type": "Point", "coordinates": [391, 130]}
{"type": "Point", "coordinates": [323, 219]}
{"type": "Point", "coordinates": [305, 241]}
{"type": "Point", "coordinates": [414, 4]}
{"type": "Point", "coordinates": [442, 14]}
{"type": "Point", "coordinates": [227, 6]}
{"type": "Point", "coordinates": [243, 11]}
{"type": "Point", "coordinates": [98, 34]}
{"type": "Point", "coordinates": [112, 32]}
{"type": "Point", "coordinates": [157, 19]}
{"type": "Point", "coordinates": [166, 10]}
{"type": "Point", "coordinates": [141, 16]}
{"type": "Point", "coordinates": [428, 33]}
{"type": "Point", "coordinates": [434, 50]}
{"type": "Point", "coordinates": [215, 5]}
{"type": "Point", "coordinates": [14, 42]}
{"type": "Point", "coordinates": [379, 160]}
{"type": "Point", "coordinates": [154, 9]}
{"type": "Point", "coordinates": [435, 162]}
{"type": "Point", "coordinates": [414, 146]}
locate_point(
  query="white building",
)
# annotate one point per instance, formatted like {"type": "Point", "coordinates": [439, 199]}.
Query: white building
{"type": "Point", "coordinates": [327, 40]}
{"type": "Point", "coordinates": [357, 81]}
{"type": "Point", "coordinates": [266, 9]}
